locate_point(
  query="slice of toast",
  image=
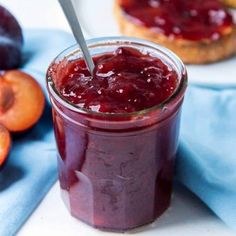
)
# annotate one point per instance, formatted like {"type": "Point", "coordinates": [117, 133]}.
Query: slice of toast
{"type": "Point", "coordinates": [191, 52]}
{"type": "Point", "coordinates": [229, 3]}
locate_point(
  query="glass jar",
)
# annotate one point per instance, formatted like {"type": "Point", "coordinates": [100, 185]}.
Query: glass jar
{"type": "Point", "coordinates": [116, 170]}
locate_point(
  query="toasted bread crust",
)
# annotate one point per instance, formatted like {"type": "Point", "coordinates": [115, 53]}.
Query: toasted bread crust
{"type": "Point", "coordinates": [229, 3]}
{"type": "Point", "coordinates": [191, 52]}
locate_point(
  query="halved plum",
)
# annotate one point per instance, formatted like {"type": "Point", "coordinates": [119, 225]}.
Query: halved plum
{"type": "Point", "coordinates": [5, 143]}
{"type": "Point", "coordinates": [21, 101]}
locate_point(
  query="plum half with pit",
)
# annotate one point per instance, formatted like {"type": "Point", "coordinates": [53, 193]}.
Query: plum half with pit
{"type": "Point", "coordinates": [11, 40]}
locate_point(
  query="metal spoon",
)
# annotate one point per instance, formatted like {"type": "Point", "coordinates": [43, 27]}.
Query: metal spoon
{"type": "Point", "coordinates": [70, 13]}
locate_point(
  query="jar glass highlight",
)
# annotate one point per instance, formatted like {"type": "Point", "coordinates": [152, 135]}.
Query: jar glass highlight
{"type": "Point", "coordinates": [116, 170]}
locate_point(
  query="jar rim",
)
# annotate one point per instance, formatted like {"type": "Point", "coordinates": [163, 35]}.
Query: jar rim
{"type": "Point", "coordinates": [106, 41]}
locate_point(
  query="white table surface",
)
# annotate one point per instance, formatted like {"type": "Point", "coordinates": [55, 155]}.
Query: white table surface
{"type": "Point", "coordinates": [187, 215]}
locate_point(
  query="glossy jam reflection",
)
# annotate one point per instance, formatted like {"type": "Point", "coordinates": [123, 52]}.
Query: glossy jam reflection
{"type": "Point", "coordinates": [116, 172]}
{"type": "Point", "coordinates": [124, 81]}
{"type": "Point", "coordinates": [188, 19]}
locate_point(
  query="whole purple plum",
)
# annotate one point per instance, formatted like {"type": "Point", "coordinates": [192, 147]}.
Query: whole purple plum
{"type": "Point", "coordinates": [11, 40]}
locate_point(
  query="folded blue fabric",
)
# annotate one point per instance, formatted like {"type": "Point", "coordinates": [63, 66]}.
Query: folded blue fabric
{"type": "Point", "coordinates": [31, 167]}
{"type": "Point", "coordinates": [206, 161]}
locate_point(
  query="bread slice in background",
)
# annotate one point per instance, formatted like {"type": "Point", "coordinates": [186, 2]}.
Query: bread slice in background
{"type": "Point", "coordinates": [229, 3]}
{"type": "Point", "coordinates": [191, 52]}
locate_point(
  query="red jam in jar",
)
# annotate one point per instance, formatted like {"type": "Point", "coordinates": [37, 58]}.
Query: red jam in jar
{"type": "Point", "coordinates": [117, 131]}
{"type": "Point", "coordinates": [124, 81]}
{"type": "Point", "coordinates": [191, 20]}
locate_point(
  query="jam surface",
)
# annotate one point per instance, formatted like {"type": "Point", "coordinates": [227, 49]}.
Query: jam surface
{"type": "Point", "coordinates": [191, 20]}
{"type": "Point", "coordinates": [124, 81]}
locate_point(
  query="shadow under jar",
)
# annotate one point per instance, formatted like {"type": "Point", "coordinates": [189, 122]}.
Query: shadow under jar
{"type": "Point", "coordinates": [116, 170]}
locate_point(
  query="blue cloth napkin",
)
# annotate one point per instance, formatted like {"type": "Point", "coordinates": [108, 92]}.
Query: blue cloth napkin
{"type": "Point", "coordinates": [31, 167]}
{"type": "Point", "coordinates": [206, 161]}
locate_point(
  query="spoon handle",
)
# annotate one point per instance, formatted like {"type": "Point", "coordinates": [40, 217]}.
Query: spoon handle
{"type": "Point", "coordinates": [70, 13]}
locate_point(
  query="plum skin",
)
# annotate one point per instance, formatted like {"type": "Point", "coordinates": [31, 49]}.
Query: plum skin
{"type": "Point", "coordinates": [11, 40]}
